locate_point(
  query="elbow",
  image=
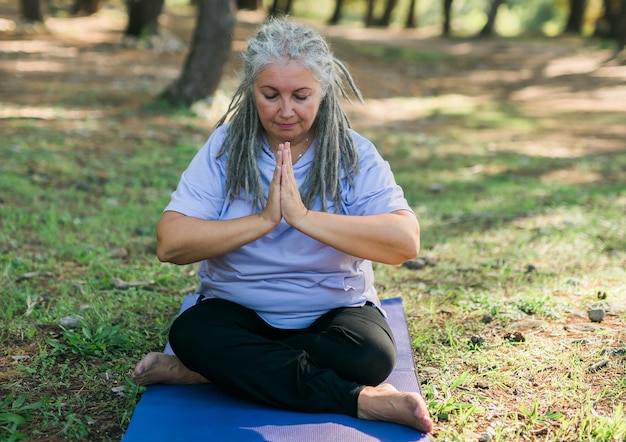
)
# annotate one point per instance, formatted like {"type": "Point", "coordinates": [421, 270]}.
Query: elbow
{"type": "Point", "coordinates": [167, 254]}
{"type": "Point", "coordinates": [410, 247]}
{"type": "Point", "coordinates": [164, 255]}
{"type": "Point", "coordinates": [408, 252]}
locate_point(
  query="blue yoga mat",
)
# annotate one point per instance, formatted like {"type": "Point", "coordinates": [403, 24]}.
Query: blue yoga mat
{"type": "Point", "coordinates": [206, 413]}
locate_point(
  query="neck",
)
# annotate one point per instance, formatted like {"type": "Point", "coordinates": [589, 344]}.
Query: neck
{"type": "Point", "coordinates": [298, 147]}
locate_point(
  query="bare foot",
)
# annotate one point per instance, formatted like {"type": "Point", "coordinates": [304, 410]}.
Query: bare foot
{"type": "Point", "coordinates": [385, 403]}
{"type": "Point", "coordinates": [159, 368]}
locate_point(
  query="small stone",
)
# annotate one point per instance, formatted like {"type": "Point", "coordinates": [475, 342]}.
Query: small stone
{"type": "Point", "coordinates": [108, 375]}
{"type": "Point", "coordinates": [72, 321]}
{"type": "Point", "coordinates": [484, 437]}
{"type": "Point", "coordinates": [477, 340]}
{"type": "Point", "coordinates": [415, 264]}
{"type": "Point", "coordinates": [515, 337]}
{"type": "Point", "coordinates": [598, 365]}
{"type": "Point", "coordinates": [613, 351]}
{"type": "Point", "coordinates": [580, 341]}
{"type": "Point", "coordinates": [581, 327]}
{"type": "Point", "coordinates": [436, 187]}
{"type": "Point", "coordinates": [119, 390]}
{"type": "Point", "coordinates": [596, 314]}
{"type": "Point", "coordinates": [487, 318]}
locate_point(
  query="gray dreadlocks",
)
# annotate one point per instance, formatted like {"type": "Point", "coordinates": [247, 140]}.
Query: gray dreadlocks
{"type": "Point", "coordinates": [280, 39]}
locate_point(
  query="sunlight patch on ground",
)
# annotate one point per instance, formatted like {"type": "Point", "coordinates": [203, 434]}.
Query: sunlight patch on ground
{"type": "Point", "coordinates": [547, 99]}
{"type": "Point", "coordinates": [572, 176]}
{"type": "Point", "coordinates": [45, 113]}
{"type": "Point", "coordinates": [411, 108]}
{"type": "Point", "coordinates": [491, 76]}
{"type": "Point", "coordinates": [34, 66]}
{"type": "Point", "coordinates": [36, 47]}
{"type": "Point", "coordinates": [582, 64]}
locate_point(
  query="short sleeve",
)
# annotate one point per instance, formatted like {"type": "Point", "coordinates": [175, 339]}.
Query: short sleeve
{"type": "Point", "coordinates": [200, 191]}
{"type": "Point", "coordinates": [374, 190]}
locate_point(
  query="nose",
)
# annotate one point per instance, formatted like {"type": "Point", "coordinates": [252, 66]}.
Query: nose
{"type": "Point", "coordinates": [286, 109]}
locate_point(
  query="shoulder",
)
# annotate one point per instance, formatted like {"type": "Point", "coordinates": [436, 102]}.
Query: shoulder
{"type": "Point", "coordinates": [217, 137]}
{"type": "Point", "coordinates": [365, 148]}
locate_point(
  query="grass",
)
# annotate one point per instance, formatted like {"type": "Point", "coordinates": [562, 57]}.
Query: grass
{"type": "Point", "coordinates": [520, 242]}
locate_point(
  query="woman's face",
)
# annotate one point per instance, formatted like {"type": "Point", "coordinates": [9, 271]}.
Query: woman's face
{"type": "Point", "coordinates": [287, 97]}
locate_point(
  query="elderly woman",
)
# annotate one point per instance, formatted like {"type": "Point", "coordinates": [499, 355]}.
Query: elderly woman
{"type": "Point", "coordinates": [285, 207]}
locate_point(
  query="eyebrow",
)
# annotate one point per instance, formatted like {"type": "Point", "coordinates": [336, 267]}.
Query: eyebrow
{"type": "Point", "coordinates": [305, 88]}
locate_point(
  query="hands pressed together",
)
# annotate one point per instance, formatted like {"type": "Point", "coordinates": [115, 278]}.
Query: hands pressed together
{"type": "Point", "coordinates": [284, 200]}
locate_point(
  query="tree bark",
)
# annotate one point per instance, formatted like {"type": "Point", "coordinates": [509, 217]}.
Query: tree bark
{"type": "Point", "coordinates": [447, 17]}
{"type": "Point", "coordinates": [334, 19]}
{"type": "Point", "coordinates": [487, 30]}
{"type": "Point", "coordinates": [411, 21]}
{"type": "Point", "coordinates": [277, 9]}
{"type": "Point", "coordinates": [89, 7]}
{"type": "Point", "coordinates": [386, 18]}
{"type": "Point", "coordinates": [143, 17]}
{"type": "Point", "coordinates": [249, 4]}
{"type": "Point", "coordinates": [31, 11]}
{"type": "Point", "coordinates": [369, 14]}
{"type": "Point", "coordinates": [210, 48]}
{"type": "Point", "coordinates": [576, 16]}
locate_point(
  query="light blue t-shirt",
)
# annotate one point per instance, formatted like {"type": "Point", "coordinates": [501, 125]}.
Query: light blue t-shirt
{"type": "Point", "coordinates": [287, 277]}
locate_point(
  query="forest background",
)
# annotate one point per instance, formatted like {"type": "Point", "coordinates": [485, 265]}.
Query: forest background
{"type": "Point", "coordinates": [511, 149]}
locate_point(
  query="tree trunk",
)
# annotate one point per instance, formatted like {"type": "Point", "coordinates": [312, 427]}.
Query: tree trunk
{"type": "Point", "coordinates": [447, 17]}
{"type": "Point", "coordinates": [386, 18]}
{"type": "Point", "coordinates": [89, 7]}
{"type": "Point", "coordinates": [31, 11]}
{"type": "Point", "coordinates": [277, 9]}
{"type": "Point", "coordinates": [369, 14]}
{"type": "Point", "coordinates": [411, 21]}
{"type": "Point", "coordinates": [576, 16]}
{"type": "Point", "coordinates": [249, 4]}
{"type": "Point", "coordinates": [336, 13]}
{"type": "Point", "coordinates": [487, 30]}
{"type": "Point", "coordinates": [621, 29]}
{"type": "Point", "coordinates": [143, 17]}
{"type": "Point", "coordinates": [209, 52]}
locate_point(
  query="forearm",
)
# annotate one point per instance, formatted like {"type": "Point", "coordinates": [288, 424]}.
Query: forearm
{"type": "Point", "coordinates": [391, 238]}
{"type": "Point", "coordinates": [184, 239]}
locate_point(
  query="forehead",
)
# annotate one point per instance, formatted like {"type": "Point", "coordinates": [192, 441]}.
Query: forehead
{"type": "Point", "coordinates": [286, 74]}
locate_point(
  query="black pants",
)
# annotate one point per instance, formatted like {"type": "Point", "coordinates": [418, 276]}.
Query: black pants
{"type": "Point", "coordinates": [320, 369]}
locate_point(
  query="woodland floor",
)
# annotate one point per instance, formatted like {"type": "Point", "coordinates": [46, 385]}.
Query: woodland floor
{"type": "Point", "coordinates": [561, 80]}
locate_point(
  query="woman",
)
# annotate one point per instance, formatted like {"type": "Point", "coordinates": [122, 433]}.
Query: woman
{"type": "Point", "coordinates": [285, 207]}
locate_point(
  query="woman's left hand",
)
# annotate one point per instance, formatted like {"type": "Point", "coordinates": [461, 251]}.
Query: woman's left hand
{"type": "Point", "coordinates": [291, 205]}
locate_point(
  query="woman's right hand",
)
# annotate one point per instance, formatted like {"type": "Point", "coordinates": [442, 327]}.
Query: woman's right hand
{"type": "Point", "coordinates": [272, 211]}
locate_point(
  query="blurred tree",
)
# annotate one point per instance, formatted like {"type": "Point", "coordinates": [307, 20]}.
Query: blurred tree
{"type": "Point", "coordinates": [487, 30]}
{"type": "Point", "coordinates": [143, 17]}
{"type": "Point", "coordinates": [30, 10]}
{"type": "Point", "coordinates": [384, 20]}
{"type": "Point", "coordinates": [249, 4]}
{"type": "Point", "coordinates": [85, 6]}
{"type": "Point", "coordinates": [447, 17]}
{"type": "Point", "coordinates": [280, 8]}
{"type": "Point", "coordinates": [576, 16]}
{"type": "Point", "coordinates": [615, 16]}
{"type": "Point", "coordinates": [209, 53]}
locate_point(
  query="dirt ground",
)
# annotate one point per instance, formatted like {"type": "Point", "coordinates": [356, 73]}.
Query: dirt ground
{"type": "Point", "coordinates": [560, 81]}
